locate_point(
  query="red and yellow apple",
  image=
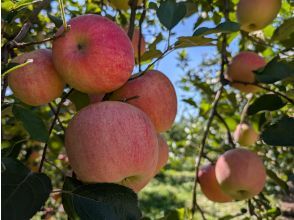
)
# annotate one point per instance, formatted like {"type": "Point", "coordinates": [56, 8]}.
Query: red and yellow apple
{"type": "Point", "coordinates": [245, 135]}
{"type": "Point", "coordinates": [209, 185]}
{"type": "Point", "coordinates": [36, 83]}
{"type": "Point", "coordinates": [94, 56]}
{"type": "Point", "coordinates": [256, 14]}
{"type": "Point", "coordinates": [154, 94]}
{"type": "Point", "coordinates": [112, 142]}
{"type": "Point", "coordinates": [241, 70]}
{"type": "Point", "coordinates": [162, 153]}
{"type": "Point", "coordinates": [240, 173]}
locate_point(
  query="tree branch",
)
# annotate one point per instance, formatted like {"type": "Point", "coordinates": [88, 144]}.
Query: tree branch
{"type": "Point", "coordinates": [51, 128]}
{"type": "Point", "coordinates": [265, 88]}
{"type": "Point", "coordinates": [58, 119]}
{"type": "Point", "coordinates": [133, 5]}
{"type": "Point", "coordinates": [203, 141]}
{"type": "Point", "coordinates": [230, 138]}
{"type": "Point", "coordinates": [140, 33]}
{"type": "Point", "coordinates": [213, 112]}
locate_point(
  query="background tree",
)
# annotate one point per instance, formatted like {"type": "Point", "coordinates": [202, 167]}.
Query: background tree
{"type": "Point", "coordinates": [33, 137]}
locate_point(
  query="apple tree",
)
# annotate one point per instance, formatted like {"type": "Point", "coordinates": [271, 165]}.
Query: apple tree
{"type": "Point", "coordinates": [238, 98]}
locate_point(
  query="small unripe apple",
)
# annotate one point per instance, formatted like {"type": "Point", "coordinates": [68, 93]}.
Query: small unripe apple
{"type": "Point", "coordinates": [162, 153]}
{"type": "Point", "coordinates": [94, 56]}
{"type": "Point", "coordinates": [256, 14]}
{"type": "Point", "coordinates": [112, 142]}
{"type": "Point", "coordinates": [240, 173]}
{"type": "Point", "coordinates": [209, 185]}
{"type": "Point", "coordinates": [154, 94]}
{"type": "Point", "coordinates": [245, 135]}
{"type": "Point", "coordinates": [122, 4]}
{"type": "Point", "coordinates": [241, 70]}
{"type": "Point", "coordinates": [37, 83]}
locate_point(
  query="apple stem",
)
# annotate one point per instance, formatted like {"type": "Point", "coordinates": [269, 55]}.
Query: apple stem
{"type": "Point", "coordinates": [61, 6]}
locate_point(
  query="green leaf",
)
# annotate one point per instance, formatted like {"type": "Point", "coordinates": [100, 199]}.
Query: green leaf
{"type": "Point", "coordinates": [226, 27]}
{"type": "Point", "coordinates": [14, 150]}
{"type": "Point", "coordinates": [25, 3]}
{"type": "Point", "coordinates": [56, 20]}
{"type": "Point", "coordinates": [151, 54]}
{"type": "Point", "coordinates": [79, 99]}
{"type": "Point", "coordinates": [280, 133]}
{"type": "Point", "coordinates": [31, 122]}
{"type": "Point", "coordinates": [171, 13]}
{"type": "Point", "coordinates": [268, 102]}
{"type": "Point", "coordinates": [190, 101]}
{"type": "Point", "coordinates": [277, 180]}
{"type": "Point", "coordinates": [193, 41]}
{"type": "Point", "coordinates": [175, 214]}
{"type": "Point", "coordinates": [153, 45]}
{"type": "Point", "coordinates": [285, 33]}
{"type": "Point", "coordinates": [23, 192]}
{"type": "Point", "coordinates": [277, 69]}
{"type": "Point", "coordinates": [99, 201]}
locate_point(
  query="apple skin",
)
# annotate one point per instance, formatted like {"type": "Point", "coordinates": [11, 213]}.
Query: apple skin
{"type": "Point", "coordinates": [162, 153]}
{"type": "Point", "coordinates": [241, 69]}
{"type": "Point", "coordinates": [94, 56]}
{"type": "Point", "coordinates": [240, 173]}
{"type": "Point", "coordinates": [245, 135]}
{"type": "Point", "coordinates": [37, 83]}
{"type": "Point", "coordinates": [122, 4]}
{"type": "Point", "coordinates": [256, 14]}
{"type": "Point", "coordinates": [94, 98]}
{"type": "Point", "coordinates": [112, 142]}
{"type": "Point", "coordinates": [135, 42]}
{"type": "Point", "coordinates": [156, 97]}
{"type": "Point", "coordinates": [209, 185]}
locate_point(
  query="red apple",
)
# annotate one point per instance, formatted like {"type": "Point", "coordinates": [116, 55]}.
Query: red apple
{"type": "Point", "coordinates": [256, 14]}
{"type": "Point", "coordinates": [156, 96]}
{"type": "Point", "coordinates": [94, 56]}
{"type": "Point", "coordinates": [112, 142]}
{"type": "Point", "coordinates": [240, 173]}
{"type": "Point", "coordinates": [135, 42]}
{"type": "Point", "coordinates": [37, 83]}
{"type": "Point", "coordinates": [162, 153]}
{"type": "Point", "coordinates": [241, 70]}
{"type": "Point", "coordinates": [209, 185]}
{"type": "Point", "coordinates": [245, 135]}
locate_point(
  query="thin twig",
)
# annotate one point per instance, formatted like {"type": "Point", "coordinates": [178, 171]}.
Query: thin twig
{"type": "Point", "coordinates": [54, 165]}
{"type": "Point", "coordinates": [58, 119]}
{"type": "Point", "coordinates": [224, 62]}
{"type": "Point", "coordinates": [167, 51]}
{"type": "Point", "coordinates": [202, 145]}
{"type": "Point", "coordinates": [265, 88]}
{"type": "Point", "coordinates": [51, 128]}
{"type": "Point", "coordinates": [61, 6]}
{"type": "Point", "coordinates": [140, 33]}
{"type": "Point", "coordinates": [245, 109]}
{"type": "Point", "coordinates": [230, 138]}
{"type": "Point", "coordinates": [26, 44]}
{"type": "Point", "coordinates": [132, 18]}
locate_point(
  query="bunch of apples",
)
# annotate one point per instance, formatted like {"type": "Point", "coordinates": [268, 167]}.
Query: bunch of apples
{"type": "Point", "coordinates": [116, 140]}
{"type": "Point", "coordinates": [239, 173]}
